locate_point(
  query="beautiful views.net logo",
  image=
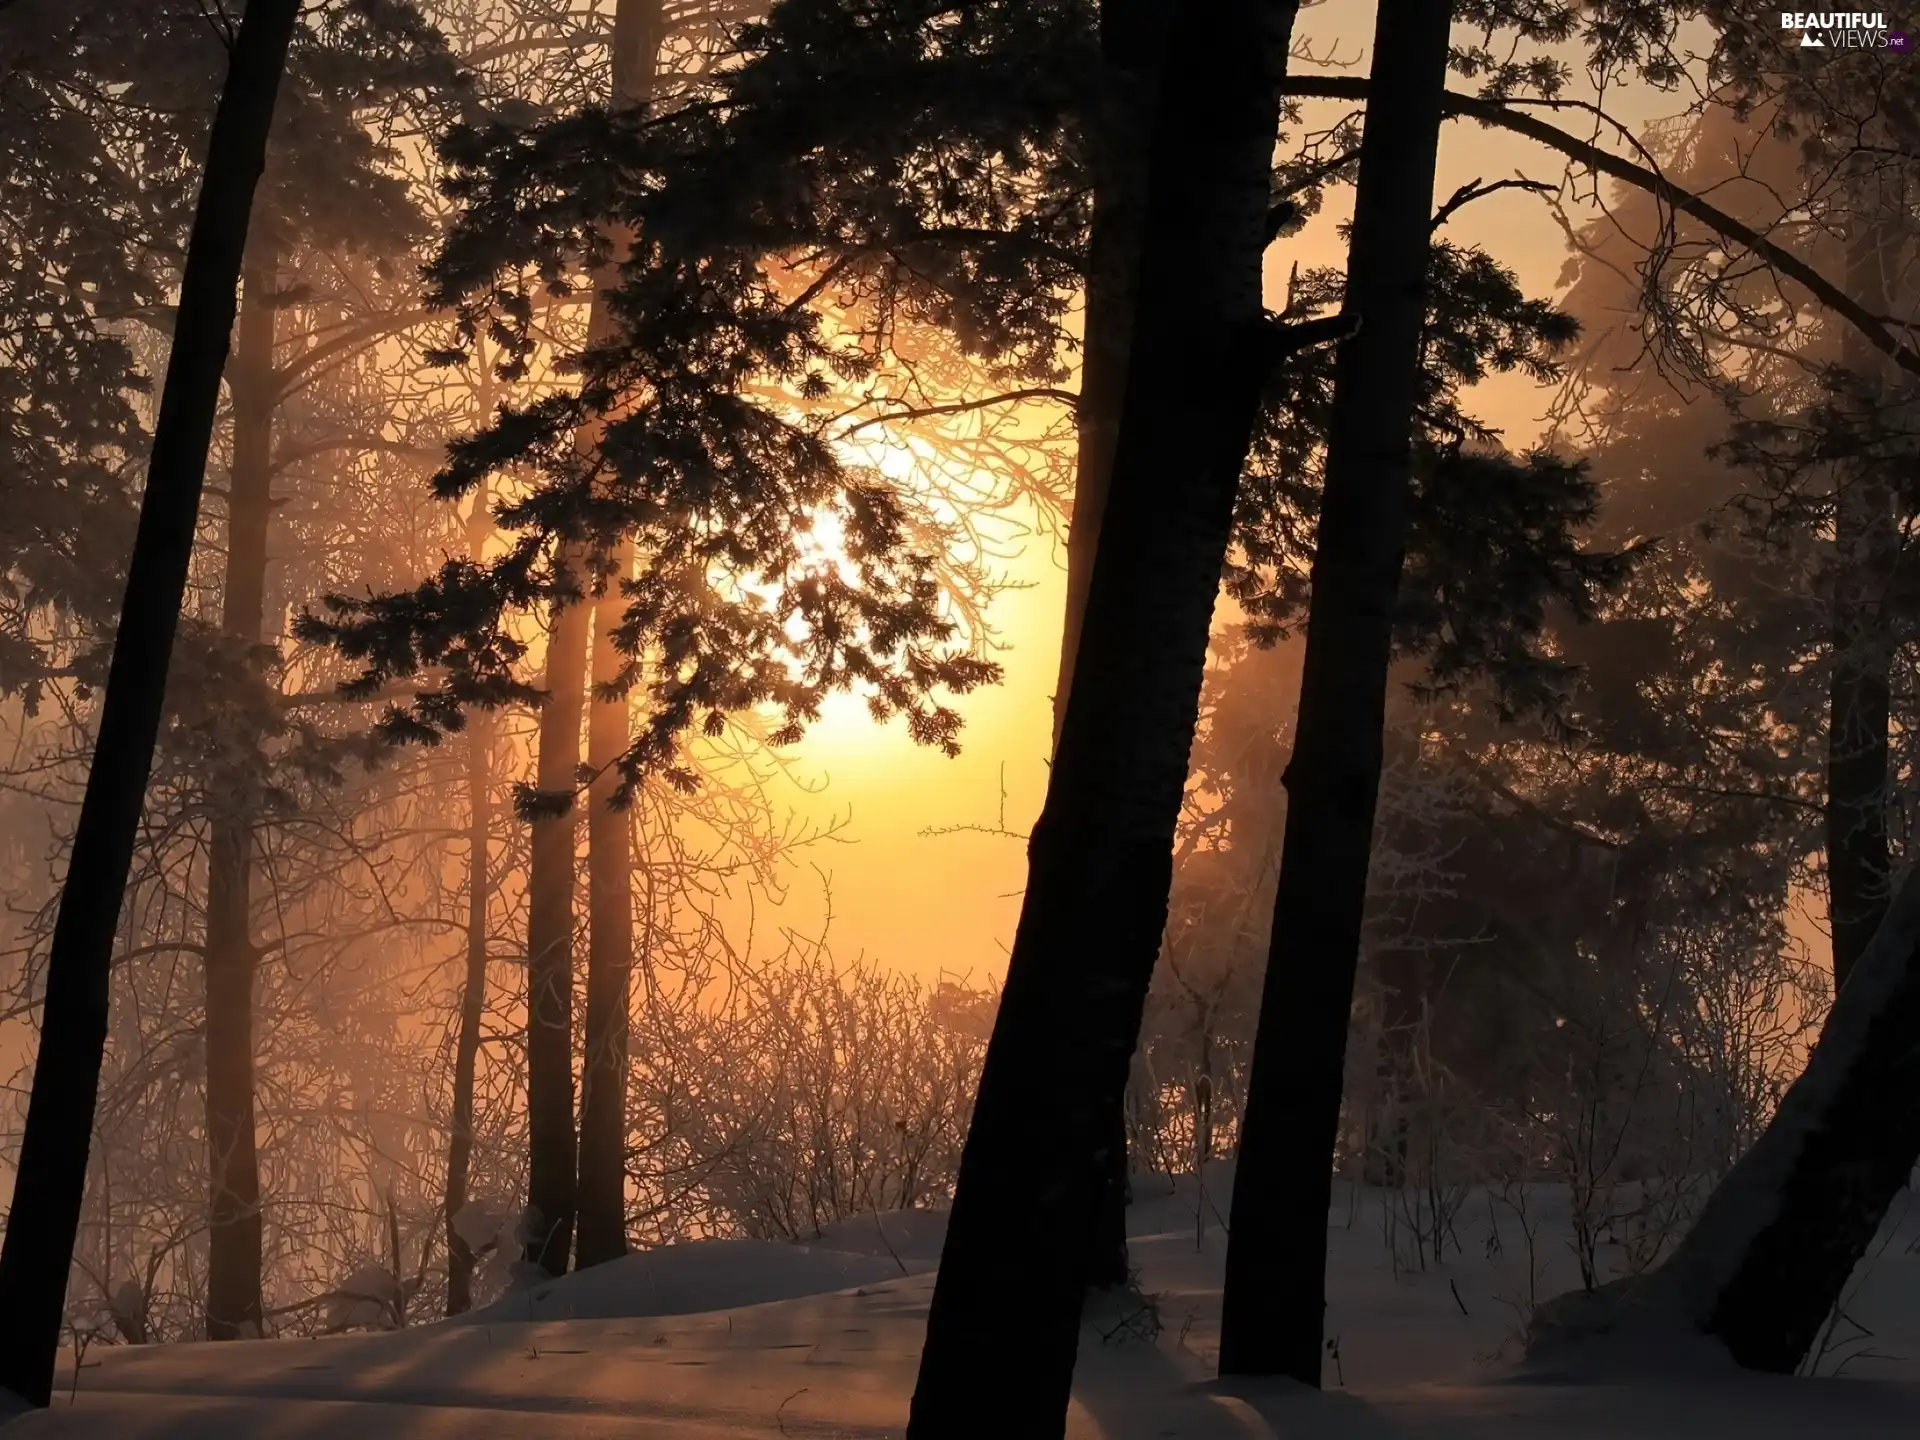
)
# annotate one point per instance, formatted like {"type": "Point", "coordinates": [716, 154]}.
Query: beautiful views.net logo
{"type": "Point", "coordinates": [1843, 30]}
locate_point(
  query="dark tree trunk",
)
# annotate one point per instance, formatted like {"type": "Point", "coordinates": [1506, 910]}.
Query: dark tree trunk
{"type": "Point", "coordinates": [1276, 1253]}
{"type": "Point", "coordinates": [1129, 32]}
{"type": "Point", "coordinates": [638, 26]}
{"type": "Point", "coordinates": [234, 1308]}
{"type": "Point", "coordinates": [48, 1185]}
{"type": "Point", "coordinates": [473, 989]}
{"type": "Point", "coordinates": [550, 881]}
{"type": "Point", "coordinates": [603, 1086]}
{"type": "Point", "coordinates": [1865, 537]}
{"type": "Point", "coordinates": [1764, 1265]}
{"type": "Point", "coordinates": [1100, 860]}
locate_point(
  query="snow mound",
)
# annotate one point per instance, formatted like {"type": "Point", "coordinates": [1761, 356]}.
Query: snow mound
{"type": "Point", "coordinates": [689, 1279]}
{"type": "Point", "coordinates": [913, 1237]}
{"type": "Point", "coordinates": [1633, 1328]}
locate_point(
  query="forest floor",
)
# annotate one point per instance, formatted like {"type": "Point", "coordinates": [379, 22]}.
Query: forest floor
{"type": "Point", "coordinates": [671, 1346]}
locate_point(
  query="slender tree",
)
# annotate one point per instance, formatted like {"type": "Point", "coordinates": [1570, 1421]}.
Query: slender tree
{"type": "Point", "coordinates": [234, 1305]}
{"type": "Point", "coordinates": [1276, 1255]}
{"type": "Point", "coordinates": [1037, 1154]}
{"type": "Point", "coordinates": [473, 984]}
{"type": "Point", "coordinates": [45, 1214]}
{"type": "Point", "coordinates": [1117, 131]}
{"type": "Point", "coordinates": [637, 30]}
{"type": "Point", "coordinates": [552, 1145]}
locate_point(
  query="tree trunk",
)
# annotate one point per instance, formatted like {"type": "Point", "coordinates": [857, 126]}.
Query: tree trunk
{"type": "Point", "coordinates": [1865, 537]}
{"type": "Point", "coordinates": [1129, 32]}
{"type": "Point", "coordinates": [473, 1004]}
{"type": "Point", "coordinates": [638, 29]}
{"type": "Point", "coordinates": [553, 1179]}
{"type": "Point", "coordinates": [1276, 1251]}
{"type": "Point", "coordinates": [45, 1215]}
{"type": "Point", "coordinates": [234, 1308]}
{"type": "Point", "coordinates": [603, 1088]}
{"type": "Point", "coordinates": [1764, 1265]}
{"type": "Point", "coordinates": [1100, 860]}
{"type": "Point", "coordinates": [473, 990]}
{"type": "Point", "coordinates": [550, 880]}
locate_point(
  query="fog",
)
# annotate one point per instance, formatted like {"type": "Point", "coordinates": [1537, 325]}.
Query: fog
{"type": "Point", "coordinates": [796, 619]}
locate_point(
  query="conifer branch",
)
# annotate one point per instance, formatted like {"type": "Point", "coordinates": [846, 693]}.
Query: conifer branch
{"type": "Point", "coordinates": [1603, 162]}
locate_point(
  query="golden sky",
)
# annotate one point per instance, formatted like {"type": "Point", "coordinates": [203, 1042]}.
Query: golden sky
{"type": "Point", "coordinates": [934, 904]}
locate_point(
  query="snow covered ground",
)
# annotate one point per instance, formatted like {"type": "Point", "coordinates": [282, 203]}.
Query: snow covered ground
{"type": "Point", "coordinates": [673, 1346]}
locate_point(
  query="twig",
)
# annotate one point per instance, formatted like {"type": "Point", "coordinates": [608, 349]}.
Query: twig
{"type": "Point", "coordinates": [780, 1419]}
{"type": "Point", "coordinates": [1474, 190]}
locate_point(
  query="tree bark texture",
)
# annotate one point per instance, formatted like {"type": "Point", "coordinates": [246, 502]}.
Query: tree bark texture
{"type": "Point", "coordinates": [1100, 860]}
{"type": "Point", "coordinates": [44, 1218]}
{"type": "Point", "coordinates": [1276, 1256]}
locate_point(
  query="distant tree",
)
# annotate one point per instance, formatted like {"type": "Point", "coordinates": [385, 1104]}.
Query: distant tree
{"type": "Point", "coordinates": [1820, 409]}
{"type": "Point", "coordinates": [45, 1214]}
{"type": "Point", "coordinates": [713, 493]}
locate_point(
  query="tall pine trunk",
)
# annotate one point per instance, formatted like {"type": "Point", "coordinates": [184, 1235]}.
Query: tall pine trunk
{"type": "Point", "coordinates": [1765, 1263]}
{"type": "Point", "coordinates": [473, 987]}
{"type": "Point", "coordinates": [50, 1180]}
{"type": "Point", "coordinates": [551, 1187]}
{"type": "Point", "coordinates": [1129, 31]}
{"type": "Point", "coordinates": [1117, 143]}
{"type": "Point", "coordinates": [1865, 537]}
{"type": "Point", "coordinates": [233, 1232]}
{"type": "Point", "coordinates": [638, 27]}
{"type": "Point", "coordinates": [1276, 1251]}
{"type": "Point", "coordinates": [1100, 860]}
{"type": "Point", "coordinates": [603, 1086]}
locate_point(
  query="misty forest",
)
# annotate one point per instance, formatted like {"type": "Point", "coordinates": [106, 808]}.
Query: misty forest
{"type": "Point", "coordinates": [725, 719]}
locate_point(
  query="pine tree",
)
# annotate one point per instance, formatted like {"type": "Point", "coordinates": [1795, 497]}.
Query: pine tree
{"type": "Point", "coordinates": [639, 27]}
{"type": "Point", "coordinates": [1276, 1264]}
{"type": "Point", "coordinates": [1100, 857]}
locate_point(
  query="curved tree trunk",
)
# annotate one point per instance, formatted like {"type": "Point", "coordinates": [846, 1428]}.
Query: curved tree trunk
{"type": "Point", "coordinates": [234, 1306]}
{"type": "Point", "coordinates": [49, 1183]}
{"type": "Point", "coordinates": [1865, 539]}
{"type": "Point", "coordinates": [1100, 860]}
{"type": "Point", "coordinates": [1276, 1253]}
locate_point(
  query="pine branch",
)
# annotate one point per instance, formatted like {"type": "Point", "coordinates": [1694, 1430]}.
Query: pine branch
{"type": "Point", "coordinates": [1602, 162]}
